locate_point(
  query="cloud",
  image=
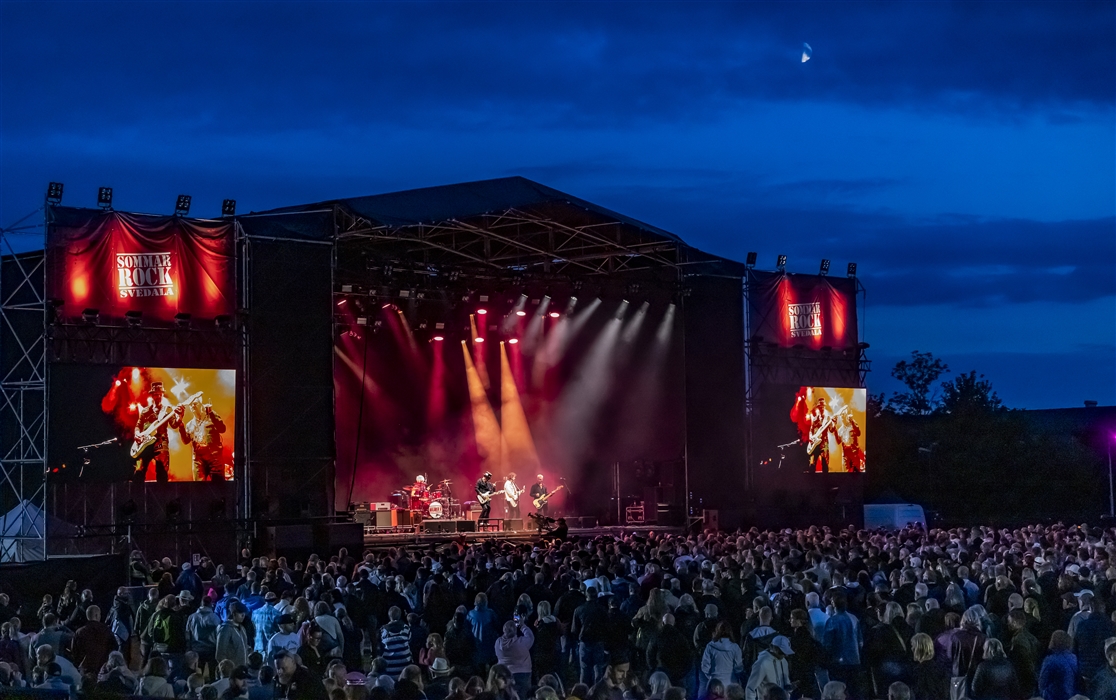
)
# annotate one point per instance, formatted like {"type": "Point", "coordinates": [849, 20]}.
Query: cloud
{"type": "Point", "coordinates": [279, 66]}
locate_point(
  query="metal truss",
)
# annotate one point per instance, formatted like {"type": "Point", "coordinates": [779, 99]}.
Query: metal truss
{"type": "Point", "coordinates": [23, 397]}
{"type": "Point", "coordinates": [525, 241]}
{"type": "Point", "coordinates": [116, 344]}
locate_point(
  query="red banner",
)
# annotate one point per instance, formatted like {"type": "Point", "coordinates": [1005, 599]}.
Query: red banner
{"type": "Point", "coordinates": [807, 310]}
{"type": "Point", "coordinates": [158, 265]}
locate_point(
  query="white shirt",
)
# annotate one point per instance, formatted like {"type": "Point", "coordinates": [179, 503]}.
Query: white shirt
{"type": "Point", "coordinates": [510, 491]}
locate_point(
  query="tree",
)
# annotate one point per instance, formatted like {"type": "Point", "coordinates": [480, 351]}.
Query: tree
{"type": "Point", "coordinates": [969, 394]}
{"type": "Point", "coordinates": [918, 375]}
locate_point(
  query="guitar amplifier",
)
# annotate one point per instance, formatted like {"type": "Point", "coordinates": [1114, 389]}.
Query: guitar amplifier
{"type": "Point", "coordinates": [393, 518]}
{"type": "Point", "coordinates": [472, 512]}
{"type": "Point", "coordinates": [381, 505]}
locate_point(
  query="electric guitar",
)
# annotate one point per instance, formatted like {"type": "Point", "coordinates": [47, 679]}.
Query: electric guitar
{"type": "Point", "coordinates": [541, 500]}
{"type": "Point", "coordinates": [513, 502]}
{"type": "Point", "coordinates": [147, 437]}
{"type": "Point", "coordinates": [483, 498]}
{"type": "Point", "coordinates": [819, 435]}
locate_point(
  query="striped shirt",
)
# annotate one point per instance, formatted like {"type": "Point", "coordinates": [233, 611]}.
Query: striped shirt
{"type": "Point", "coordinates": [395, 638]}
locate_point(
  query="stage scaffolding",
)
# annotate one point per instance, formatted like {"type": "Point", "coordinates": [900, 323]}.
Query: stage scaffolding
{"type": "Point", "coordinates": [768, 362]}
{"type": "Point", "coordinates": [23, 395]}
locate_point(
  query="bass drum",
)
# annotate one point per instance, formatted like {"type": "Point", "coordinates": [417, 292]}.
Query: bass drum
{"type": "Point", "coordinates": [436, 510]}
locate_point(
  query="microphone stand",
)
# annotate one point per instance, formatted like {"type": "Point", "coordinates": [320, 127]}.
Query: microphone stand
{"type": "Point", "coordinates": [85, 459]}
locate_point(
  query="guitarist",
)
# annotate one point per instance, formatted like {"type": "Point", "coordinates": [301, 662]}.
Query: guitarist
{"type": "Point", "coordinates": [511, 496]}
{"type": "Point", "coordinates": [821, 425]}
{"type": "Point", "coordinates": [484, 490]}
{"type": "Point", "coordinates": [539, 489]}
{"type": "Point", "coordinates": [159, 452]}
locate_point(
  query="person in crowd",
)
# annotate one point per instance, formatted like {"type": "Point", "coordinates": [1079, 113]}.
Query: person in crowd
{"type": "Point", "coordinates": [115, 677]}
{"type": "Point", "coordinates": [513, 651]}
{"type": "Point", "coordinates": [1058, 674]}
{"type": "Point", "coordinates": [232, 639]}
{"type": "Point", "coordinates": [93, 643]}
{"type": "Point", "coordinates": [294, 681]}
{"type": "Point", "coordinates": [770, 669]}
{"type": "Point", "coordinates": [153, 683]}
{"type": "Point", "coordinates": [395, 640]}
{"type": "Point", "coordinates": [722, 659]}
{"type": "Point", "coordinates": [995, 677]}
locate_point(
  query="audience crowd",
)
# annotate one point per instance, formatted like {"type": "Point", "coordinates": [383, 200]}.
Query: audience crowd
{"type": "Point", "coordinates": [979, 613]}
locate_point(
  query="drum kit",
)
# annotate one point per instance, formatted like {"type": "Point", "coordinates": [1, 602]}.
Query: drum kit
{"type": "Point", "coordinates": [430, 502]}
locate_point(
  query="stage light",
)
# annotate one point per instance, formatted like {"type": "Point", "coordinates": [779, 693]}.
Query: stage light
{"type": "Point", "coordinates": [223, 322]}
{"type": "Point", "coordinates": [513, 341]}
{"type": "Point", "coordinates": [54, 193]}
{"type": "Point", "coordinates": [824, 267]}
{"type": "Point", "coordinates": [133, 317]}
{"type": "Point", "coordinates": [182, 320]}
{"type": "Point", "coordinates": [750, 261]}
{"type": "Point", "coordinates": [438, 338]}
{"type": "Point", "coordinates": [478, 339]}
{"type": "Point", "coordinates": [852, 270]}
{"type": "Point", "coordinates": [228, 207]}
{"type": "Point", "coordinates": [781, 262]}
{"type": "Point", "coordinates": [388, 270]}
{"type": "Point", "coordinates": [118, 382]}
{"type": "Point", "coordinates": [453, 275]}
{"type": "Point", "coordinates": [362, 321]}
{"type": "Point", "coordinates": [91, 315]}
{"type": "Point", "coordinates": [104, 197]}
{"type": "Point", "coordinates": [482, 312]}
{"type": "Point", "coordinates": [405, 293]}
{"type": "Point", "coordinates": [554, 314]}
{"type": "Point", "coordinates": [520, 313]}
{"type": "Point", "coordinates": [342, 302]}
{"type": "Point", "coordinates": [182, 205]}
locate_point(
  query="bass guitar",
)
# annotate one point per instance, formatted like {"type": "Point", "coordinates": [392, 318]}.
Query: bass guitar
{"type": "Point", "coordinates": [541, 500]}
{"type": "Point", "coordinates": [148, 437]}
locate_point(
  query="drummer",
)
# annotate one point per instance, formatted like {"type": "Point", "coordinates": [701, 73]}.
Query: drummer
{"type": "Point", "coordinates": [419, 489]}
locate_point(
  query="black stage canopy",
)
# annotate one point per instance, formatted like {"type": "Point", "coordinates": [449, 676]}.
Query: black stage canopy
{"type": "Point", "coordinates": [511, 224]}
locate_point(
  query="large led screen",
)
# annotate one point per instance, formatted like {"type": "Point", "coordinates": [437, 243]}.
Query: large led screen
{"type": "Point", "coordinates": [810, 429]}
{"type": "Point", "coordinates": [144, 424]}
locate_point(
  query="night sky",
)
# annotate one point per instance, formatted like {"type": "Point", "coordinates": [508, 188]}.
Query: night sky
{"type": "Point", "coordinates": [964, 154]}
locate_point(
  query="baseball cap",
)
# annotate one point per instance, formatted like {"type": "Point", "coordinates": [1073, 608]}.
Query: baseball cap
{"type": "Point", "coordinates": [782, 644]}
{"type": "Point", "coordinates": [241, 673]}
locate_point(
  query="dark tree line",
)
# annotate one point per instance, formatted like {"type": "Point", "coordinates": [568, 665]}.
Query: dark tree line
{"type": "Point", "coordinates": [953, 447]}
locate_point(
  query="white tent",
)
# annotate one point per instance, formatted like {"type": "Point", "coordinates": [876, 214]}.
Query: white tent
{"type": "Point", "coordinates": [22, 533]}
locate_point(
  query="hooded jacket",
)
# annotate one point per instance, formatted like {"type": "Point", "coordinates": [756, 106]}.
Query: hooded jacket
{"type": "Point", "coordinates": [722, 660]}
{"type": "Point", "coordinates": [515, 652]}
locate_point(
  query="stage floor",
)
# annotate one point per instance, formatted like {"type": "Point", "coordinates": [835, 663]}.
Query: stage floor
{"type": "Point", "coordinates": [375, 540]}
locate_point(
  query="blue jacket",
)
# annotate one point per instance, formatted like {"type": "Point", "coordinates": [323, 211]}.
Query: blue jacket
{"type": "Point", "coordinates": [1057, 676]}
{"type": "Point", "coordinates": [483, 621]}
{"type": "Point", "coordinates": [842, 639]}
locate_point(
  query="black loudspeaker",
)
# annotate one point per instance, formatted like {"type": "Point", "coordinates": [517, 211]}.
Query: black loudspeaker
{"type": "Point", "coordinates": [513, 524]}
{"type": "Point", "coordinates": [466, 525]}
{"type": "Point", "coordinates": [347, 535]}
{"type": "Point", "coordinates": [439, 527]}
{"type": "Point", "coordinates": [293, 536]}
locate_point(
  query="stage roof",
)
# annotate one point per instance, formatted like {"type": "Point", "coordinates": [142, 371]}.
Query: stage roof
{"type": "Point", "coordinates": [508, 224]}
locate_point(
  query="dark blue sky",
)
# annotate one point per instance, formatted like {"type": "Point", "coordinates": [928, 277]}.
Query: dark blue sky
{"type": "Point", "coordinates": [964, 154]}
